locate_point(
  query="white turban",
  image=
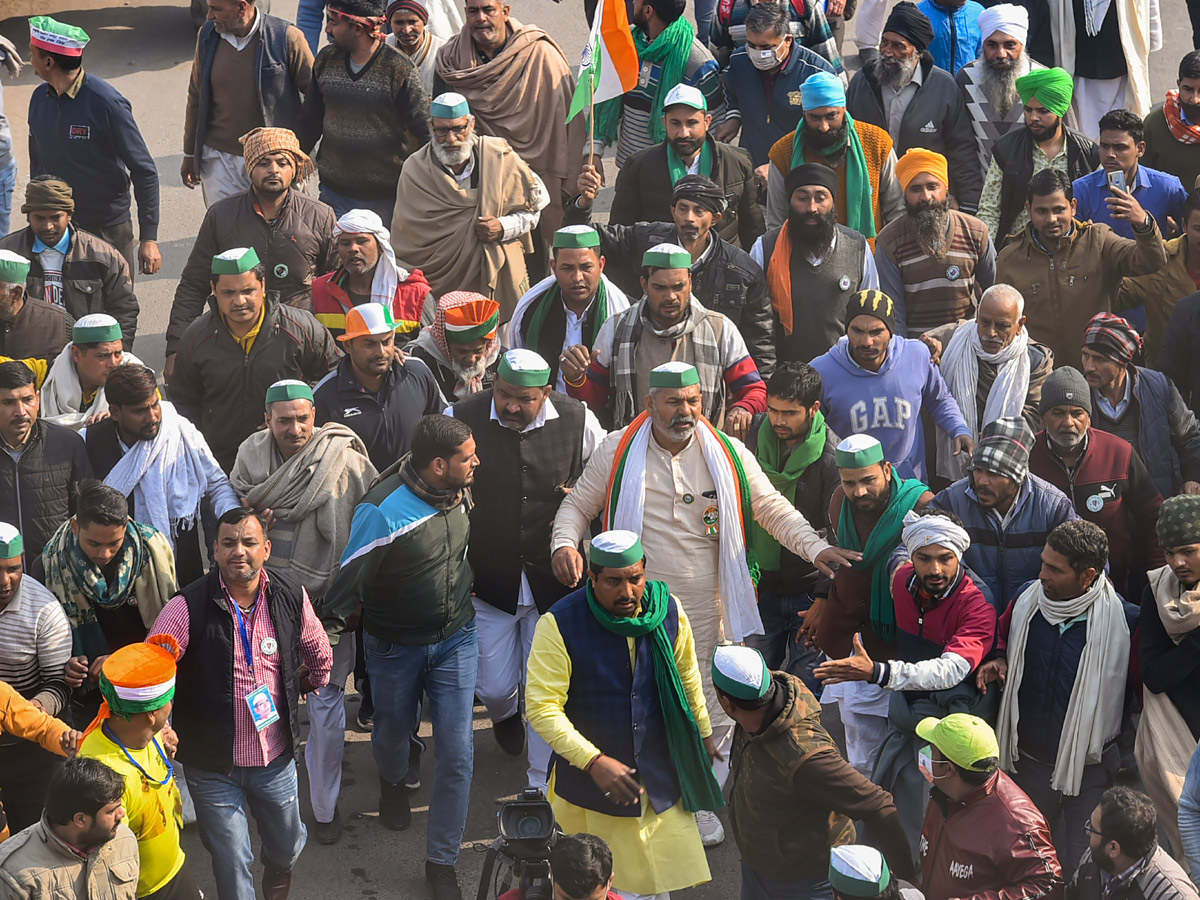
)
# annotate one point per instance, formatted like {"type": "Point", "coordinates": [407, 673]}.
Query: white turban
{"type": "Point", "coordinates": [1013, 20]}
{"type": "Point", "coordinates": [387, 273]}
{"type": "Point", "coordinates": [921, 531]}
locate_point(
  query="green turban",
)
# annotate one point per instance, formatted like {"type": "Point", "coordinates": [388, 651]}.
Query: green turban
{"type": "Point", "coordinates": [1053, 88]}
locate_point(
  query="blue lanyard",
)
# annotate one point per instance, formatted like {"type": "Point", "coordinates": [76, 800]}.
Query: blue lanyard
{"type": "Point", "coordinates": [170, 768]}
{"type": "Point", "coordinates": [241, 620]}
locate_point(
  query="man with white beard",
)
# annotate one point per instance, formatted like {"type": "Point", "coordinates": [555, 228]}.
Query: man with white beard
{"type": "Point", "coordinates": [467, 233]}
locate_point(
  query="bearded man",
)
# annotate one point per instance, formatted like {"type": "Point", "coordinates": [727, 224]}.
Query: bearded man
{"type": "Point", "coordinates": [460, 347]}
{"type": "Point", "coordinates": [936, 261]}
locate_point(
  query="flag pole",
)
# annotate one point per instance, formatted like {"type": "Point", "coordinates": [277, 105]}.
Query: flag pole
{"type": "Point", "coordinates": [592, 128]}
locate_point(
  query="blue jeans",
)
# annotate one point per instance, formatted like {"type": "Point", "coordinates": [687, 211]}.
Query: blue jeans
{"type": "Point", "coordinates": [781, 627]}
{"type": "Point", "coordinates": [310, 19]}
{"type": "Point", "coordinates": [445, 671]}
{"type": "Point", "coordinates": [342, 204]}
{"type": "Point", "coordinates": [8, 183]}
{"type": "Point", "coordinates": [269, 792]}
{"type": "Point", "coordinates": [756, 886]}
{"type": "Point", "coordinates": [1189, 813]}
{"type": "Point", "coordinates": [705, 9]}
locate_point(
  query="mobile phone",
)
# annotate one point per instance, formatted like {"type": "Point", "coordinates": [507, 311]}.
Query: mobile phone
{"type": "Point", "coordinates": [1117, 180]}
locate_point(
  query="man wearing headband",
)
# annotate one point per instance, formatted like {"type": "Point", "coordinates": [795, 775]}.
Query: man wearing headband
{"type": "Point", "coordinates": [983, 836]}
{"type": "Point", "coordinates": [1171, 128]}
{"type": "Point", "coordinates": [814, 265]}
{"type": "Point", "coordinates": [792, 798]}
{"type": "Point", "coordinates": [110, 155]}
{"type": "Point", "coordinates": [689, 147]}
{"type": "Point", "coordinates": [724, 277]}
{"type": "Point", "coordinates": [937, 260]}
{"type": "Point", "coordinates": [245, 342]}
{"type": "Point", "coordinates": [918, 103]}
{"type": "Point", "coordinates": [860, 154]}
{"type": "Point", "coordinates": [1103, 475]}
{"type": "Point", "coordinates": [1048, 140]}
{"type": "Point", "coordinates": [1059, 305]}
{"type": "Point", "coordinates": [290, 232]}
{"type": "Point", "coordinates": [945, 627]}
{"type": "Point", "coordinates": [245, 47]}
{"type": "Point", "coordinates": [410, 33]}
{"type": "Point", "coordinates": [547, 437]}
{"type": "Point", "coordinates": [68, 266]}
{"type": "Point", "coordinates": [73, 392]}
{"type": "Point", "coordinates": [368, 108]}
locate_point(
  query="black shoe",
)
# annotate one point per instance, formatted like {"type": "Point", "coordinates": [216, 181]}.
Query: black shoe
{"type": "Point", "coordinates": [365, 720]}
{"type": "Point", "coordinates": [510, 734]}
{"type": "Point", "coordinates": [330, 832]}
{"type": "Point", "coordinates": [393, 806]}
{"type": "Point", "coordinates": [442, 881]}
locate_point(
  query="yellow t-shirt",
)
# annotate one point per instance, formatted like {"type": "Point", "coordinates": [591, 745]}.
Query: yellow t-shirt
{"type": "Point", "coordinates": [153, 812]}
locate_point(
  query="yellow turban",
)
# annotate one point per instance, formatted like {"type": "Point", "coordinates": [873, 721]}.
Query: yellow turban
{"type": "Point", "coordinates": [916, 161]}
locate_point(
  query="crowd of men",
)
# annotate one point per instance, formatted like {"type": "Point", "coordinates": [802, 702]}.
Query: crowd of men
{"type": "Point", "coordinates": [889, 406]}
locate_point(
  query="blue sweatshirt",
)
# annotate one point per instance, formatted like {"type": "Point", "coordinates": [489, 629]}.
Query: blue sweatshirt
{"type": "Point", "coordinates": [92, 142]}
{"type": "Point", "coordinates": [887, 404]}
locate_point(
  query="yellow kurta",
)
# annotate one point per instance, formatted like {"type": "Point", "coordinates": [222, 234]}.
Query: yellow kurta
{"type": "Point", "coordinates": [652, 853]}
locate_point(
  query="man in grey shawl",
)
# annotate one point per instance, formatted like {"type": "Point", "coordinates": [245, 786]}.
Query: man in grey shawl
{"type": "Point", "coordinates": [306, 482]}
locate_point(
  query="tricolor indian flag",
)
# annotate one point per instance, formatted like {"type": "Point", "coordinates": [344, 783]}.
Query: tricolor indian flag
{"type": "Point", "coordinates": [609, 66]}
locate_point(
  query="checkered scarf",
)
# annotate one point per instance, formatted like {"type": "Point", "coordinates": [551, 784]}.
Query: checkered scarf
{"type": "Point", "coordinates": [258, 143]}
{"type": "Point", "coordinates": [1003, 448]}
{"type": "Point", "coordinates": [1112, 336]}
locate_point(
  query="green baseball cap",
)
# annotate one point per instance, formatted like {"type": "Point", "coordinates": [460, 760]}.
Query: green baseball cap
{"type": "Point", "coordinates": [965, 740]}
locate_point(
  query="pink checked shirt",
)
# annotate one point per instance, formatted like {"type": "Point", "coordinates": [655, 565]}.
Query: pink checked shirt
{"type": "Point", "coordinates": [252, 747]}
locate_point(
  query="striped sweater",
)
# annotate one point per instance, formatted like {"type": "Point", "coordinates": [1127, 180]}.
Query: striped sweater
{"type": "Point", "coordinates": [35, 644]}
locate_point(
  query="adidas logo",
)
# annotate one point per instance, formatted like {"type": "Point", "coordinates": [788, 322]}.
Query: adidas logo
{"type": "Point", "coordinates": [929, 128]}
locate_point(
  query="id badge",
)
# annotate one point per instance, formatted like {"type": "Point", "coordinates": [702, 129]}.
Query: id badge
{"type": "Point", "coordinates": [262, 707]}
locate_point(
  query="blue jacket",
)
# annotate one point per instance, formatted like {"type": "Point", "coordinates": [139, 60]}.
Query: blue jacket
{"type": "Point", "coordinates": [766, 119]}
{"type": "Point", "coordinates": [92, 142]}
{"type": "Point", "coordinates": [1009, 556]}
{"type": "Point", "coordinates": [956, 37]}
{"type": "Point", "coordinates": [887, 404]}
{"type": "Point", "coordinates": [1159, 193]}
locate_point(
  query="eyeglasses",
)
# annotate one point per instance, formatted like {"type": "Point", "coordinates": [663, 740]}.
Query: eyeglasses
{"type": "Point", "coordinates": [1088, 829]}
{"type": "Point", "coordinates": [456, 130]}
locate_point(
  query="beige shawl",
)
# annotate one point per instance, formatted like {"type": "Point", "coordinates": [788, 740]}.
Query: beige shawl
{"type": "Point", "coordinates": [313, 495]}
{"type": "Point", "coordinates": [433, 227]}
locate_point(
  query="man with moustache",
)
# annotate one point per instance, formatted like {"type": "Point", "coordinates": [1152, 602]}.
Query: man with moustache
{"type": "Point", "coordinates": [935, 261]}
{"type": "Point", "coordinates": [1172, 131]}
{"type": "Point", "coordinates": [410, 32]}
{"type": "Point", "coordinates": [31, 329]}
{"type": "Point", "coordinates": [461, 347]}
{"type": "Point", "coordinates": [813, 265]}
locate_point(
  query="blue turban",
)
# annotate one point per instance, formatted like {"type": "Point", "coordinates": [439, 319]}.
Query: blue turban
{"type": "Point", "coordinates": [822, 89]}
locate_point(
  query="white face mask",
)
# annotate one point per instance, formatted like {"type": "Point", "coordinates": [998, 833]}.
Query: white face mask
{"type": "Point", "coordinates": [764, 59]}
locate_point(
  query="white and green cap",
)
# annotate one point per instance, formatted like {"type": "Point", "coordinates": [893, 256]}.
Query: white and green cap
{"type": "Point", "coordinates": [11, 545]}
{"type": "Point", "coordinates": [573, 237]}
{"type": "Point", "coordinates": [617, 549]}
{"type": "Point", "coordinates": [449, 106]}
{"type": "Point", "coordinates": [13, 267]}
{"type": "Point", "coordinates": [289, 389]}
{"type": "Point", "coordinates": [858, 451]}
{"type": "Point", "coordinates": [667, 256]}
{"type": "Point", "coordinates": [686, 95]}
{"type": "Point", "coordinates": [856, 870]}
{"type": "Point", "coordinates": [675, 374]}
{"type": "Point", "coordinates": [235, 261]}
{"type": "Point", "coordinates": [96, 328]}
{"type": "Point", "coordinates": [54, 36]}
{"type": "Point", "coordinates": [524, 368]}
{"type": "Point", "coordinates": [740, 672]}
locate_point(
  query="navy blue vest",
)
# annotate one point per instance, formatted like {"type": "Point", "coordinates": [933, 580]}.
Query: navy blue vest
{"type": "Point", "coordinates": [615, 708]}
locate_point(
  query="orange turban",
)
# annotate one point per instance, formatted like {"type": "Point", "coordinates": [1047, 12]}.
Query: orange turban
{"type": "Point", "coordinates": [916, 161]}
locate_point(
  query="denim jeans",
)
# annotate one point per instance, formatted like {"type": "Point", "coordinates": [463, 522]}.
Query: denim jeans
{"type": "Point", "coordinates": [781, 626]}
{"type": "Point", "coordinates": [756, 886]}
{"type": "Point", "coordinates": [271, 793]}
{"type": "Point", "coordinates": [445, 672]}
{"type": "Point", "coordinates": [8, 183]}
{"type": "Point", "coordinates": [342, 204]}
{"type": "Point", "coordinates": [1189, 814]}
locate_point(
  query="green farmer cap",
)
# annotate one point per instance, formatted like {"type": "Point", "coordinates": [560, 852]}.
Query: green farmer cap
{"type": "Point", "coordinates": [235, 261]}
{"type": "Point", "coordinates": [289, 389]}
{"type": "Point", "coordinates": [11, 545]}
{"type": "Point", "coordinates": [616, 549]}
{"type": "Point", "coordinates": [856, 870]}
{"type": "Point", "coordinates": [449, 106]}
{"type": "Point", "coordinates": [965, 740]}
{"type": "Point", "coordinates": [96, 328]}
{"type": "Point", "coordinates": [575, 237]}
{"type": "Point", "coordinates": [858, 451]}
{"type": "Point", "coordinates": [674, 374]}
{"type": "Point", "coordinates": [524, 368]}
{"type": "Point", "coordinates": [740, 672]}
{"type": "Point", "coordinates": [13, 267]}
{"type": "Point", "coordinates": [667, 256]}
{"type": "Point", "coordinates": [54, 36]}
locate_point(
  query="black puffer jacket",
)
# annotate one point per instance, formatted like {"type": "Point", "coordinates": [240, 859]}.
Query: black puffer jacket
{"type": "Point", "coordinates": [37, 491]}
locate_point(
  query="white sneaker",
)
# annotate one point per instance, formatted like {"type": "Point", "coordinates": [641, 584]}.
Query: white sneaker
{"type": "Point", "coordinates": [712, 832]}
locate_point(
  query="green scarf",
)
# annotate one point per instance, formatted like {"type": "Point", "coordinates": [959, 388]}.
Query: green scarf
{"type": "Point", "coordinates": [784, 475]}
{"type": "Point", "coordinates": [697, 783]}
{"type": "Point", "coordinates": [671, 49]}
{"type": "Point", "coordinates": [550, 299]}
{"type": "Point", "coordinates": [678, 169]}
{"type": "Point", "coordinates": [882, 541]}
{"type": "Point", "coordinates": [860, 214]}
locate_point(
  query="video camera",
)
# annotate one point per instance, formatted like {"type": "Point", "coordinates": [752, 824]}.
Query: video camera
{"type": "Point", "coordinates": [527, 832]}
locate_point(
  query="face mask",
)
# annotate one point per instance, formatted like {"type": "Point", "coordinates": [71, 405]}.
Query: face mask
{"type": "Point", "coordinates": [763, 59]}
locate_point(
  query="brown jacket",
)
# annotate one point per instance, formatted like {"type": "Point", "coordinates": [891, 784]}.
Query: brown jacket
{"type": "Point", "coordinates": [36, 865]}
{"type": "Point", "coordinates": [1160, 292]}
{"type": "Point", "coordinates": [1062, 292]}
{"type": "Point", "coordinates": [39, 331]}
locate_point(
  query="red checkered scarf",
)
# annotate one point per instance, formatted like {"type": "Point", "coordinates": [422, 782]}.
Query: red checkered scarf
{"type": "Point", "coordinates": [1184, 132]}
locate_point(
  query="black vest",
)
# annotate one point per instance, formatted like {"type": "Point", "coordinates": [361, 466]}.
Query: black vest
{"type": "Point", "coordinates": [519, 485]}
{"type": "Point", "coordinates": [204, 698]}
{"type": "Point", "coordinates": [1013, 153]}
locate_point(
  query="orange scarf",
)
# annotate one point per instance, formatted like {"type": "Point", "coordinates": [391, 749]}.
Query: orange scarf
{"type": "Point", "coordinates": [1184, 132]}
{"type": "Point", "coordinates": [779, 278]}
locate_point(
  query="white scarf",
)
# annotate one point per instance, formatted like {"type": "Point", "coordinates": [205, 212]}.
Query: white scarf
{"type": "Point", "coordinates": [166, 476]}
{"type": "Point", "coordinates": [739, 598]}
{"type": "Point", "coordinates": [1098, 695]}
{"type": "Point", "coordinates": [960, 368]}
{"type": "Point", "coordinates": [62, 395]}
{"type": "Point", "coordinates": [388, 274]}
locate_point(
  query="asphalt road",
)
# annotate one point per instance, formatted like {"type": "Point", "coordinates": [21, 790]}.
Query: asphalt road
{"type": "Point", "coordinates": [145, 49]}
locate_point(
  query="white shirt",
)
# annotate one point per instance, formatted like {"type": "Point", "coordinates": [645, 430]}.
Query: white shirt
{"type": "Point", "coordinates": [522, 221]}
{"type": "Point", "coordinates": [239, 43]}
